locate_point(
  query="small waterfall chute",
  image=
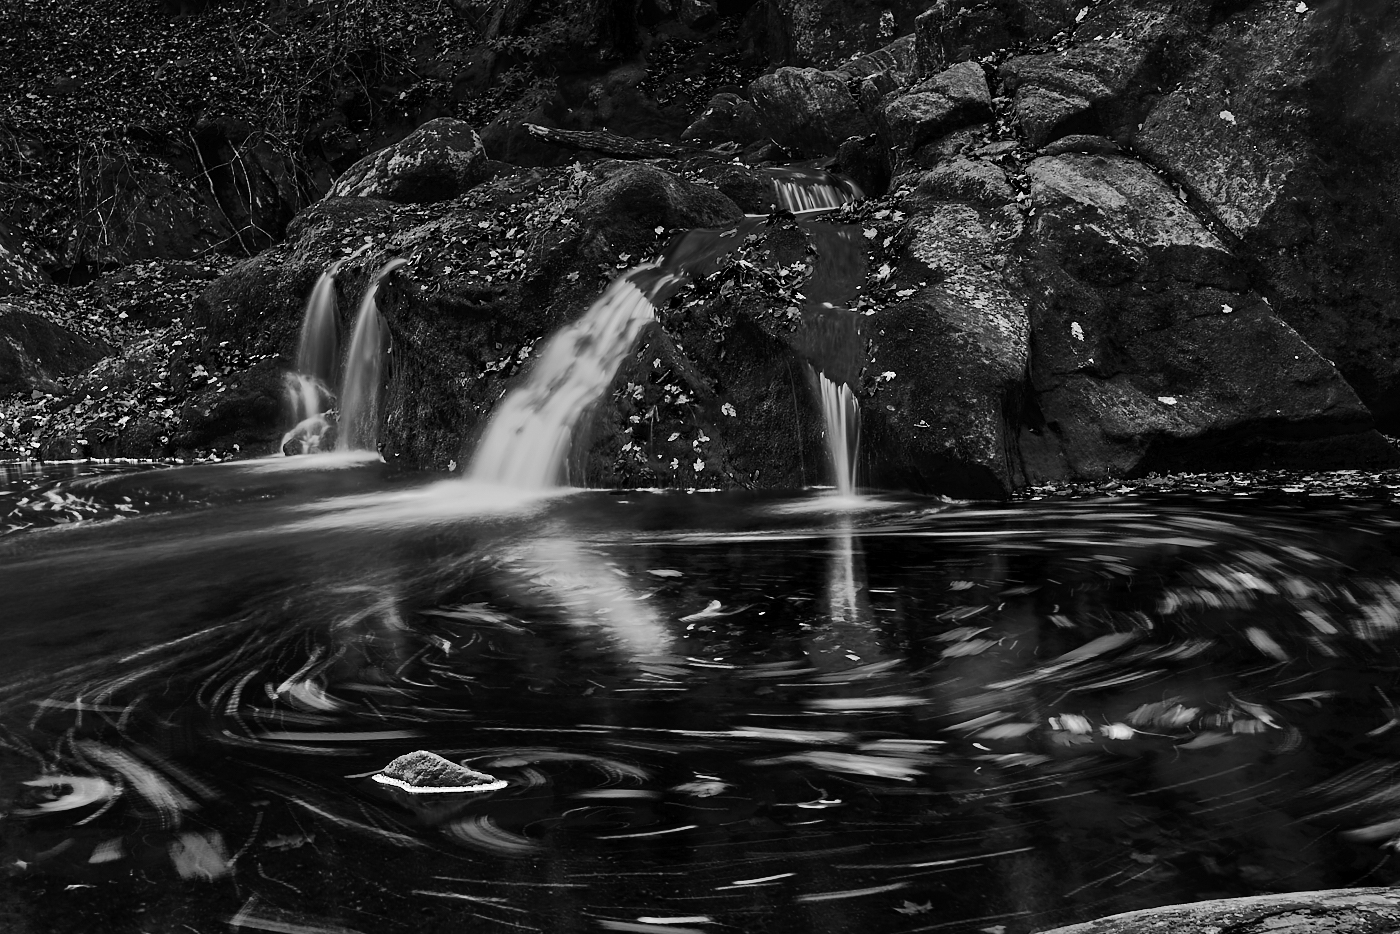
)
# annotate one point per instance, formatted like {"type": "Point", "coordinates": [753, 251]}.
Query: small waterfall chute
{"type": "Point", "coordinates": [531, 432]}
{"type": "Point", "coordinates": [841, 414]}
{"type": "Point", "coordinates": [309, 396]}
{"type": "Point", "coordinates": [364, 370]}
{"type": "Point", "coordinates": [529, 437]}
{"type": "Point", "coordinates": [810, 187]}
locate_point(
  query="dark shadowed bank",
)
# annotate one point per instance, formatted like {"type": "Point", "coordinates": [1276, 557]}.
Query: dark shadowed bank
{"type": "Point", "coordinates": [1103, 240]}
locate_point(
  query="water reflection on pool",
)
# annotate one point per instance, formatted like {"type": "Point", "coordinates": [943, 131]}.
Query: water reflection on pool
{"type": "Point", "coordinates": [713, 712]}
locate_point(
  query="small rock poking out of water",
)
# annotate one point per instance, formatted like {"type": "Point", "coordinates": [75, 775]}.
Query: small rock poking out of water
{"type": "Point", "coordinates": [423, 772]}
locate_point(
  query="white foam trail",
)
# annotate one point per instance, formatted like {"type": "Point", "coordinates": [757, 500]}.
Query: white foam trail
{"type": "Point", "coordinates": [841, 412]}
{"type": "Point", "coordinates": [528, 439]}
{"type": "Point", "coordinates": [364, 365]}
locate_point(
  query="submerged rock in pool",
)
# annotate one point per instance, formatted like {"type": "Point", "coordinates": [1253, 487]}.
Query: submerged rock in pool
{"type": "Point", "coordinates": [423, 772]}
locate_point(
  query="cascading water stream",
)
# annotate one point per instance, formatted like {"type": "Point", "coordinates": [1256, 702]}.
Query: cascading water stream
{"type": "Point", "coordinates": [308, 389]}
{"type": "Point", "coordinates": [841, 413]}
{"type": "Point", "coordinates": [529, 437]}
{"type": "Point", "coordinates": [364, 367]}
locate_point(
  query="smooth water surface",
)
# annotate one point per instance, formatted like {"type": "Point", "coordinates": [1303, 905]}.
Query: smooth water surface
{"type": "Point", "coordinates": [714, 711]}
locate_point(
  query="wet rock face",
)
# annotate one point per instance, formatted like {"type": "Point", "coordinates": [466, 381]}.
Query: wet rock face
{"type": "Point", "coordinates": [1152, 351]}
{"type": "Point", "coordinates": [1281, 134]}
{"type": "Point", "coordinates": [949, 361]}
{"type": "Point", "coordinates": [442, 159]}
{"type": "Point", "coordinates": [809, 111]}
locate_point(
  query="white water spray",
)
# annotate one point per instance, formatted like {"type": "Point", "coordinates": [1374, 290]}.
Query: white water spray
{"type": "Point", "coordinates": [531, 432]}
{"type": "Point", "coordinates": [309, 396]}
{"type": "Point", "coordinates": [364, 367]}
{"type": "Point", "coordinates": [841, 412]}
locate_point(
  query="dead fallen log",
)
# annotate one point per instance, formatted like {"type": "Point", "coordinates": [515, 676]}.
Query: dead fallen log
{"type": "Point", "coordinates": [1335, 911]}
{"type": "Point", "coordinates": [609, 144]}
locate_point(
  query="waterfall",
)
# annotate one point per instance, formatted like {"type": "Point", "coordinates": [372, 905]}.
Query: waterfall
{"type": "Point", "coordinates": [528, 439]}
{"type": "Point", "coordinates": [811, 188]}
{"type": "Point", "coordinates": [308, 389]}
{"type": "Point", "coordinates": [364, 366]}
{"type": "Point", "coordinates": [841, 412]}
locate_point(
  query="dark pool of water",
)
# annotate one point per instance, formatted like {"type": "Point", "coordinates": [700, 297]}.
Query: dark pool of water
{"type": "Point", "coordinates": [715, 711]}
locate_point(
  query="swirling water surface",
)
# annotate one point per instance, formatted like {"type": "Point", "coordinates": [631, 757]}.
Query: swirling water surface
{"type": "Point", "coordinates": [713, 712]}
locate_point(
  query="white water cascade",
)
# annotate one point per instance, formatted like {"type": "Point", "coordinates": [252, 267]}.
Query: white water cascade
{"type": "Point", "coordinates": [309, 395]}
{"type": "Point", "coordinates": [531, 432]}
{"type": "Point", "coordinates": [364, 367]}
{"type": "Point", "coordinates": [529, 437]}
{"type": "Point", "coordinates": [841, 413]}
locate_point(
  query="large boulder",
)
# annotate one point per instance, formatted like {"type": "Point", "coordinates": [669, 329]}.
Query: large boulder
{"type": "Point", "coordinates": [809, 111]}
{"type": "Point", "coordinates": [952, 99]}
{"type": "Point", "coordinates": [953, 31]}
{"type": "Point", "coordinates": [1098, 86]}
{"type": "Point", "coordinates": [1286, 128]}
{"type": "Point", "coordinates": [255, 186]}
{"type": "Point", "coordinates": [620, 214]}
{"type": "Point", "coordinates": [823, 32]}
{"type": "Point", "coordinates": [442, 159]}
{"type": "Point", "coordinates": [1151, 352]}
{"type": "Point", "coordinates": [136, 208]}
{"type": "Point", "coordinates": [895, 60]}
{"type": "Point", "coordinates": [727, 118]}
{"type": "Point", "coordinates": [36, 353]}
{"type": "Point", "coordinates": [948, 366]}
